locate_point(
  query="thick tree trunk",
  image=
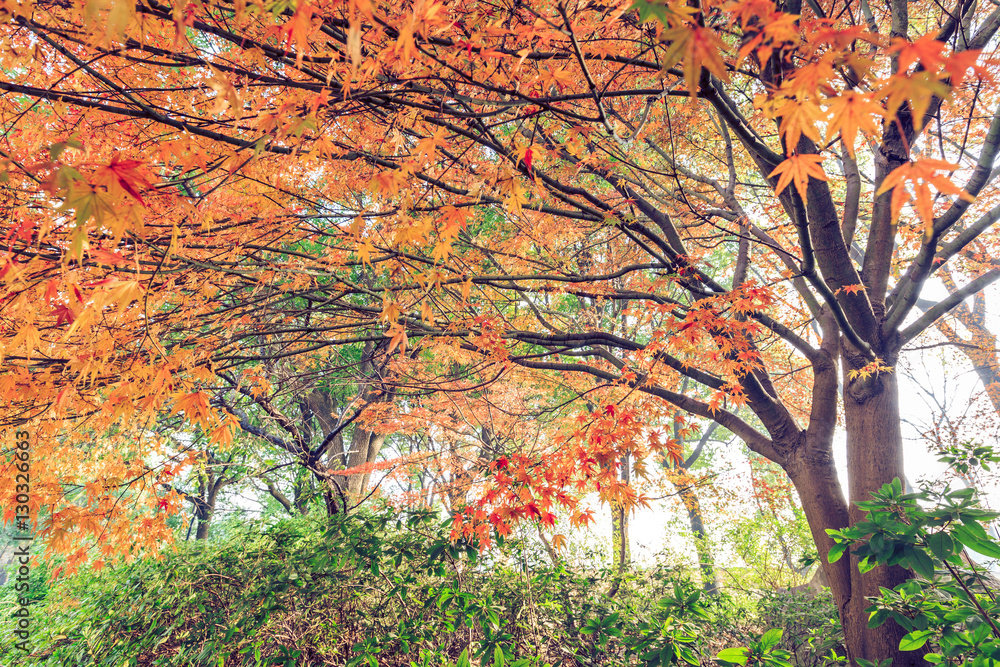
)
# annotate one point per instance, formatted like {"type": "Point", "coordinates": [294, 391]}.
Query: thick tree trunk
{"type": "Point", "coordinates": [874, 457]}
{"type": "Point", "coordinates": [203, 515]}
{"type": "Point", "coordinates": [813, 472]}
{"type": "Point", "coordinates": [201, 533]}
{"type": "Point", "coordinates": [874, 444]}
{"type": "Point", "coordinates": [206, 508]}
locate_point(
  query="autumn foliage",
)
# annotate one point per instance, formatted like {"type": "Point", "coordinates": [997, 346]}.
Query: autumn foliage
{"type": "Point", "coordinates": [606, 214]}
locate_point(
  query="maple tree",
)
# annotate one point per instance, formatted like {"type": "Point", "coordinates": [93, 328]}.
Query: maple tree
{"type": "Point", "coordinates": [748, 195]}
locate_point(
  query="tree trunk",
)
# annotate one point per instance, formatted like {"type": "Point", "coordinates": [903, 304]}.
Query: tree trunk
{"type": "Point", "coordinates": [365, 447]}
{"type": "Point", "coordinates": [874, 457]}
{"type": "Point", "coordinates": [206, 508]}
{"type": "Point", "coordinates": [874, 444]}
{"type": "Point", "coordinates": [203, 515]}
{"type": "Point", "coordinates": [621, 555]}
{"type": "Point", "coordinates": [705, 561]}
{"type": "Point", "coordinates": [201, 533]}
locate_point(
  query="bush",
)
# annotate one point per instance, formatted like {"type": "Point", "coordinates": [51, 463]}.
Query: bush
{"type": "Point", "coordinates": [377, 589]}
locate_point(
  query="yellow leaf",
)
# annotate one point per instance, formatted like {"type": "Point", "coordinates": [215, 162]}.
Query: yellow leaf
{"type": "Point", "coordinates": [698, 47]}
{"type": "Point", "coordinates": [797, 169]}
{"type": "Point", "coordinates": [798, 117]}
{"type": "Point", "coordinates": [27, 336]}
{"type": "Point", "coordinates": [853, 111]}
{"type": "Point", "coordinates": [226, 94]}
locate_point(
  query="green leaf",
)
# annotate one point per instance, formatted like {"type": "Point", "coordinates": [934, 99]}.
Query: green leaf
{"type": "Point", "coordinates": [463, 660]}
{"type": "Point", "coordinates": [959, 615]}
{"type": "Point", "coordinates": [973, 526]}
{"type": "Point", "coordinates": [775, 661]}
{"type": "Point", "coordinates": [981, 632]}
{"type": "Point", "coordinates": [687, 656]}
{"type": "Point", "coordinates": [738, 656]}
{"type": "Point", "coordinates": [651, 10]}
{"type": "Point", "coordinates": [920, 562]}
{"type": "Point", "coordinates": [970, 539]}
{"type": "Point", "coordinates": [836, 551]}
{"type": "Point", "coordinates": [914, 640]}
{"type": "Point", "coordinates": [770, 638]}
{"type": "Point", "coordinates": [941, 544]}
{"type": "Point", "coordinates": [904, 621]}
{"type": "Point", "coordinates": [877, 543]}
{"type": "Point", "coordinates": [878, 617]}
{"type": "Point", "coordinates": [987, 548]}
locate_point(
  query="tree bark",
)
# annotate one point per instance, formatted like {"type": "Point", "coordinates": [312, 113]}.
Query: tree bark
{"type": "Point", "coordinates": [706, 563]}
{"type": "Point", "coordinates": [621, 555]}
{"type": "Point", "coordinates": [204, 517]}
{"type": "Point", "coordinates": [365, 447]}
{"type": "Point", "coordinates": [205, 507]}
{"type": "Point", "coordinates": [874, 457]}
{"type": "Point", "coordinates": [686, 491]}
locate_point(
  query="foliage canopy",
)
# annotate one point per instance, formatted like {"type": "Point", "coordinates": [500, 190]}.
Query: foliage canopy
{"type": "Point", "coordinates": [653, 208]}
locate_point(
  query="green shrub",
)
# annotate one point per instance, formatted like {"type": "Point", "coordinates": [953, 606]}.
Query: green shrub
{"type": "Point", "coordinates": [949, 609]}
{"type": "Point", "coordinates": [382, 589]}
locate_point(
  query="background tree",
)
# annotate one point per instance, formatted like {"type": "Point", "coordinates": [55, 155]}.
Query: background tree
{"type": "Point", "coordinates": [686, 485]}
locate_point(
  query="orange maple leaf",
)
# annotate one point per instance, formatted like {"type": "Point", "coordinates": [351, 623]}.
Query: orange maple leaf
{"type": "Point", "coordinates": [850, 112]}
{"type": "Point", "coordinates": [126, 174]}
{"type": "Point", "coordinates": [798, 117]}
{"type": "Point", "coordinates": [195, 407]}
{"type": "Point", "coordinates": [797, 169]}
{"type": "Point", "coordinates": [698, 47]}
{"type": "Point", "coordinates": [920, 175]}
